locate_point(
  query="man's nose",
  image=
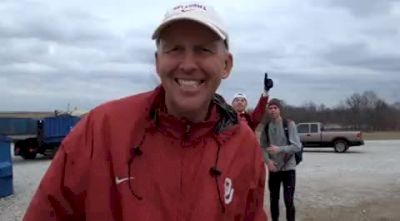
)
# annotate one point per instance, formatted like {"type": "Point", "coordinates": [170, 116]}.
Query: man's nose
{"type": "Point", "coordinates": [188, 63]}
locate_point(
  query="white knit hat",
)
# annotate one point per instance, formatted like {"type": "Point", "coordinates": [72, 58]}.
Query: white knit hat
{"type": "Point", "coordinates": [239, 95]}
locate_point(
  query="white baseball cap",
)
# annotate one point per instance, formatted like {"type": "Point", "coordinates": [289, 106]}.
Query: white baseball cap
{"type": "Point", "coordinates": [203, 14]}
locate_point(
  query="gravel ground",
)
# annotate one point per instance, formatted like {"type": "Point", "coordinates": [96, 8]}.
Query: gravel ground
{"type": "Point", "coordinates": [27, 175]}
{"type": "Point", "coordinates": [362, 184]}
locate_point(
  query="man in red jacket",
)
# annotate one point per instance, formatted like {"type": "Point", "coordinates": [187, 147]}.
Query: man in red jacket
{"type": "Point", "coordinates": [178, 152]}
{"type": "Point", "coordinates": [239, 103]}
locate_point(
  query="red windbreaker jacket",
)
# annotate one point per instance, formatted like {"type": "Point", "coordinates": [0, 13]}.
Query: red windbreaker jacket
{"type": "Point", "coordinates": [130, 160]}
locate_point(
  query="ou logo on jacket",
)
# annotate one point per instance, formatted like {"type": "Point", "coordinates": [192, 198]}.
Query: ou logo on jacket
{"type": "Point", "coordinates": [229, 191]}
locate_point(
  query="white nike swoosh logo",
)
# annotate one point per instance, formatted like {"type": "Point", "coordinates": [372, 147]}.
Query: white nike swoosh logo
{"type": "Point", "coordinates": [121, 180]}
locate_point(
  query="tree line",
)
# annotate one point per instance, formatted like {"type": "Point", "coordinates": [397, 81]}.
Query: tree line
{"type": "Point", "coordinates": [365, 111]}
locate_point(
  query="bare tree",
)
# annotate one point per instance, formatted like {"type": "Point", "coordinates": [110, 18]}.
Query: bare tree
{"type": "Point", "coordinates": [364, 111]}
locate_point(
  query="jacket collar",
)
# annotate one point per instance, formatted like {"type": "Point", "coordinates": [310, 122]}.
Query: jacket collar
{"type": "Point", "coordinates": [221, 121]}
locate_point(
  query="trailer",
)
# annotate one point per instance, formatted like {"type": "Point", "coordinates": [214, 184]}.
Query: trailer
{"type": "Point", "coordinates": [16, 126]}
{"type": "Point", "coordinates": [50, 132]}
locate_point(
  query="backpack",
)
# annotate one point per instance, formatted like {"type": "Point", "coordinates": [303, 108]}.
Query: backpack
{"type": "Point", "coordinates": [299, 154]}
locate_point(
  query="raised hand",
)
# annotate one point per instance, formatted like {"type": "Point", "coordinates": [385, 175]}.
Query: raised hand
{"type": "Point", "coordinates": [268, 83]}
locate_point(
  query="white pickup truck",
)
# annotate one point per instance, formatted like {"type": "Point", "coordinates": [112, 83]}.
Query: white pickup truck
{"type": "Point", "coordinates": [314, 135]}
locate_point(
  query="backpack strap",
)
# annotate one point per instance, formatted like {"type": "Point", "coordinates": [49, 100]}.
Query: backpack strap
{"type": "Point", "coordinates": [285, 123]}
{"type": "Point", "coordinates": [286, 129]}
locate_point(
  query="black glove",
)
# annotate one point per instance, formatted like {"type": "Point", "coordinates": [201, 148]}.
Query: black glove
{"type": "Point", "coordinates": [268, 83]}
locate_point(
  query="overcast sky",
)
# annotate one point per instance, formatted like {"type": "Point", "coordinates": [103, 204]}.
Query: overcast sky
{"type": "Point", "coordinates": [83, 53]}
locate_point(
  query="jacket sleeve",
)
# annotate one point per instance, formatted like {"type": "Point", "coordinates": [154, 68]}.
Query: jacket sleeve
{"type": "Point", "coordinates": [255, 199]}
{"type": "Point", "coordinates": [259, 111]}
{"type": "Point", "coordinates": [61, 193]}
{"type": "Point", "coordinates": [295, 143]}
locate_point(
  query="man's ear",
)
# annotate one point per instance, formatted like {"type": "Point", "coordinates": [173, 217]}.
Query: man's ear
{"type": "Point", "coordinates": [227, 66]}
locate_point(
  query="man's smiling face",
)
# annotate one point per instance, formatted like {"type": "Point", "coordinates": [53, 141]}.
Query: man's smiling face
{"type": "Point", "coordinates": [191, 61]}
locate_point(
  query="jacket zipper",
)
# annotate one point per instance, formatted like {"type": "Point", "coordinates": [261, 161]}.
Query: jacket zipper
{"type": "Point", "coordinates": [180, 208]}
{"type": "Point", "coordinates": [186, 135]}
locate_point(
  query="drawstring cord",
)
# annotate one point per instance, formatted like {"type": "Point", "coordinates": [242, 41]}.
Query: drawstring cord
{"type": "Point", "coordinates": [215, 172]}
{"type": "Point", "coordinates": [136, 151]}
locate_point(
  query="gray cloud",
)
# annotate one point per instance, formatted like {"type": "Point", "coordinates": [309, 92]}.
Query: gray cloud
{"type": "Point", "coordinates": [85, 53]}
{"type": "Point", "coordinates": [51, 56]}
{"type": "Point", "coordinates": [365, 7]}
{"type": "Point", "coordinates": [359, 55]}
{"type": "Point", "coordinates": [46, 25]}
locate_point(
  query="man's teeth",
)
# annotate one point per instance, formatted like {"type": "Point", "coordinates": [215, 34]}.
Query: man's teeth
{"type": "Point", "coordinates": [188, 82]}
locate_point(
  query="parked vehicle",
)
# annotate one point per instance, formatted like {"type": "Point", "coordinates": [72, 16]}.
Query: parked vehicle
{"type": "Point", "coordinates": [315, 135]}
{"type": "Point", "coordinates": [50, 132]}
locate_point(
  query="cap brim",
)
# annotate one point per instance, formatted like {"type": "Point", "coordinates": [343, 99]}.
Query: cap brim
{"type": "Point", "coordinates": [204, 22]}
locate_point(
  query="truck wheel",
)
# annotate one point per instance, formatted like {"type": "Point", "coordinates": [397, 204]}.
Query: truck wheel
{"type": "Point", "coordinates": [28, 156]}
{"type": "Point", "coordinates": [340, 146]}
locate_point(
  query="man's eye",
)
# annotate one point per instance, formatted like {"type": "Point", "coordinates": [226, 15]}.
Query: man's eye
{"type": "Point", "coordinates": [172, 49]}
{"type": "Point", "coordinates": [207, 50]}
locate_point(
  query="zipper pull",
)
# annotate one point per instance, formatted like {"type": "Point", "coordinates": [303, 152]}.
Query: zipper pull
{"type": "Point", "coordinates": [187, 132]}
